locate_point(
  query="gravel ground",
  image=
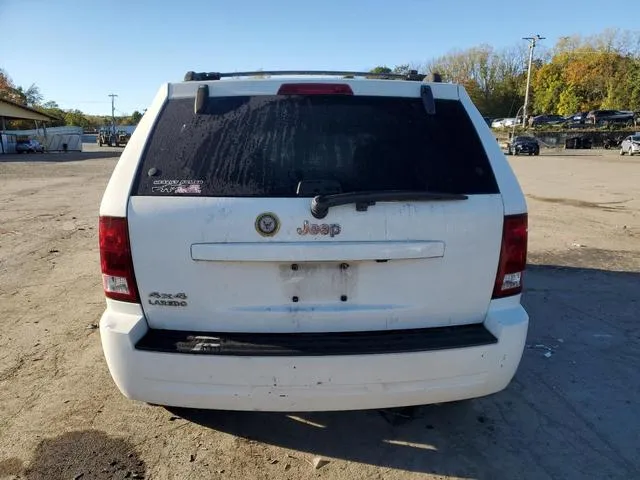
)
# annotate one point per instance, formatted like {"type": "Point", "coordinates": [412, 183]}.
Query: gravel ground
{"type": "Point", "coordinates": [568, 414]}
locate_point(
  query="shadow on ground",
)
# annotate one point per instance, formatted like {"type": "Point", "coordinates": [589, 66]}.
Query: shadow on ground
{"type": "Point", "coordinates": [59, 157]}
{"type": "Point", "coordinates": [561, 417]}
{"type": "Point", "coordinates": [564, 153]}
{"type": "Point", "coordinates": [418, 439]}
{"type": "Point", "coordinates": [88, 454]}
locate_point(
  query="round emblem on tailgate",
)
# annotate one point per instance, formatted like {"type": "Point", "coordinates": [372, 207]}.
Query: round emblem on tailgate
{"type": "Point", "coordinates": [267, 224]}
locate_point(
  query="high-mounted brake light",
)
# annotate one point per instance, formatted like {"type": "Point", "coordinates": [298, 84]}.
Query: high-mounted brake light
{"type": "Point", "coordinates": [513, 256]}
{"type": "Point", "coordinates": [315, 89]}
{"type": "Point", "coordinates": [116, 262]}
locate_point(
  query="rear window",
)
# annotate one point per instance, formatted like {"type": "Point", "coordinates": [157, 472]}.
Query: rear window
{"type": "Point", "coordinates": [265, 146]}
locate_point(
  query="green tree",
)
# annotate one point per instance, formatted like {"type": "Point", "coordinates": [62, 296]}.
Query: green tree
{"type": "Point", "coordinates": [380, 70]}
{"type": "Point", "coordinates": [548, 84]}
{"type": "Point", "coordinates": [75, 118]}
{"type": "Point", "coordinates": [53, 109]}
{"type": "Point", "coordinates": [135, 118]}
{"type": "Point", "coordinates": [568, 102]}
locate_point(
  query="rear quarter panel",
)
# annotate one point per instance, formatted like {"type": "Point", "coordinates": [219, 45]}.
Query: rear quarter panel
{"type": "Point", "coordinates": [116, 196]}
{"type": "Point", "coordinates": [512, 195]}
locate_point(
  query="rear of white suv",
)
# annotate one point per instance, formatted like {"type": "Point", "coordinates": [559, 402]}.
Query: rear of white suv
{"type": "Point", "coordinates": [305, 243]}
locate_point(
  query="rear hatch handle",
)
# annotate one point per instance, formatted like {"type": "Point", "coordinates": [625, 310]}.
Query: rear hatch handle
{"type": "Point", "coordinates": [321, 204]}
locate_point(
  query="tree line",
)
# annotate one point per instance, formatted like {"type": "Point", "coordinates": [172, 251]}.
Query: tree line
{"type": "Point", "coordinates": [576, 74]}
{"type": "Point", "coordinates": [31, 97]}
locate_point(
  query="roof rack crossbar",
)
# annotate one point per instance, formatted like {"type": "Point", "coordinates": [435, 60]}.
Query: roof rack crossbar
{"type": "Point", "coordinates": [204, 76]}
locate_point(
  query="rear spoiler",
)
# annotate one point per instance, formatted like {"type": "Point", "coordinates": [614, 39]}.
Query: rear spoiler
{"type": "Point", "coordinates": [203, 90]}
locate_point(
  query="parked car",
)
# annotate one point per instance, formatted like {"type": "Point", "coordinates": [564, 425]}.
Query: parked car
{"type": "Point", "coordinates": [546, 120]}
{"type": "Point", "coordinates": [630, 145]}
{"type": "Point", "coordinates": [575, 120]}
{"type": "Point", "coordinates": [288, 262]}
{"type": "Point", "coordinates": [29, 146]}
{"type": "Point", "coordinates": [505, 122]}
{"type": "Point", "coordinates": [609, 116]}
{"type": "Point", "coordinates": [510, 122]}
{"type": "Point", "coordinates": [522, 145]}
{"type": "Point", "coordinates": [579, 117]}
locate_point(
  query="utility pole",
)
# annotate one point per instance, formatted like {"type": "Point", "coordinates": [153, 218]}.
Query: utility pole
{"type": "Point", "coordinates": [532, 45]}
{"type": "Point", "coordinates": [113, 110]}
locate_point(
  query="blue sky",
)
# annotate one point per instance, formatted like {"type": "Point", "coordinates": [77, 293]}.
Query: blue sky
{"type": "Point", "coordinates": [78, 52]}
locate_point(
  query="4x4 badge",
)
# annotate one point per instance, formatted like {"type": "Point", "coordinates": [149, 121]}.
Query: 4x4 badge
{"type": "Point", "coordinates": [267, 224]}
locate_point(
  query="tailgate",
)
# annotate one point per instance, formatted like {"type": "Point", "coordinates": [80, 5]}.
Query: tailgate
{"type": "Point", "coordinates": [223, 238]}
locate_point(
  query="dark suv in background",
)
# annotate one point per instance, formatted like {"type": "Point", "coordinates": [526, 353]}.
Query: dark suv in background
{"type": "Point", "coordinates": [523, 145]}
{"type": "Point", "coordinates": [609, 116]}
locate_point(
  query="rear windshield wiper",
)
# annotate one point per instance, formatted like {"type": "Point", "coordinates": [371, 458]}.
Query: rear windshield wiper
{"type": "Point", "coordinates": [321, 204]}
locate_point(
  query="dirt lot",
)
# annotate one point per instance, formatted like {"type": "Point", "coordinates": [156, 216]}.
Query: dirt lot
{"type": "Point", "coordinates": [569, 413]}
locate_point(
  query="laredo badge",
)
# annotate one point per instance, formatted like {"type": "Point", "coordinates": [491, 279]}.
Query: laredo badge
{"type": "Point", "coordinates": [267, 224]}
{"type": "Point", "coordinates": [168, 299]}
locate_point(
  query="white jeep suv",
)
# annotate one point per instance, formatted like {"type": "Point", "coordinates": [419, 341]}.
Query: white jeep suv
{"type": "Point", "coordinates": [312, 241]}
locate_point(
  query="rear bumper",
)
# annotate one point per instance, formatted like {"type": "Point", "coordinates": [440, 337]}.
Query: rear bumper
{"type": "Point", "coordinates": [310, 383]}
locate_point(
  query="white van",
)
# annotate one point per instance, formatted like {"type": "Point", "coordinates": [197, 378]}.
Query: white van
{"type": "Point", "coordinates": [312, 241]}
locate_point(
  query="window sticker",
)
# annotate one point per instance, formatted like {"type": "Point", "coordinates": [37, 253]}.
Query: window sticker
{"type": "Point", "coordinates": [189, 187]}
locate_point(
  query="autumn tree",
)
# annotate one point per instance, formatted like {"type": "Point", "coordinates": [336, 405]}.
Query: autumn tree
{"type": "Point", "coordinates": [586, 79]}
{"type": "Point", "coordinates": [8, 89]}
{"type": "Point", "coordinates": [493, 79]}
{"type": "Point", "coordinates": [597, 72]}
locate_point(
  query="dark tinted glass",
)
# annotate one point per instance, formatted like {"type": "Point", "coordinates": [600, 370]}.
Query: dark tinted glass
{"type": "Point", "coordinates": [264, 146]}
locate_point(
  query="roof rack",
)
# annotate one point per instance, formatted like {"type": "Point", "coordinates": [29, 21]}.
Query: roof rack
{"type": "Point", "coordinates": [412, 75]}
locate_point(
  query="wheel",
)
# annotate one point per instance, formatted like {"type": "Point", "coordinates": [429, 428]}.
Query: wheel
{"type": "Point", "coordinates": [630, 151]}
{"type": "Point", "coordinates": [536, 153]}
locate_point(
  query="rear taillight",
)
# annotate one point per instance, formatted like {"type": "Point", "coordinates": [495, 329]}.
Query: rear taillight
{"type": "Point", "coordinates": [118, 279]}
{"type": "Point", "coordinates": [513, 256]}
{"type": "Point", "coordinates": [315, 89]}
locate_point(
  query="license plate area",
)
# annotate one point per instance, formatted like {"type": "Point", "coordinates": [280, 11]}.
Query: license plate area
{"type": "Point", "coordinates": [312, 282]}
